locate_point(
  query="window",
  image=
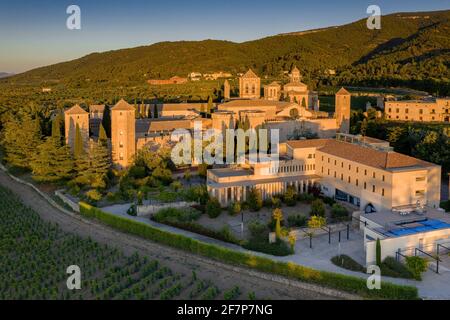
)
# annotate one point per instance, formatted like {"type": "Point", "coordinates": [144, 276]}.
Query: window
{"type": "Point", "coordinates": [373, 175]}
{"type": "Point", "coordinates": [383, 178]}
{"type": "Point", "coordinates": [328, 171]}
{"type": "Point", "coordinates": [365, 172]}
{"type": "Point", "coordinates": [397, 110]}
{"type": "Point", "coordinates": [335, 174]}
{"type": "Point", "coordinates": [349, 167]}
{"type": "Point", "coordinates": [342, 164]}
{"type": "Point", "coordinates": [357, 169]}
{"type": "Point", "coordinates": [349, 179]}
{"type": "Point", "coordinates": [406, 110]}
{"type": "Point", "coordinates": [420, 193]}
{"type": "Point", "coordinates": [357, 182]}
{"type": "Point", "coordinates": [382, 192]}
{"type": "Point", "coordinates": [335, 162]}
{"type": "Point", "coordinates": [328, 160]}
{"type": "Point", "coordinates": [322, 158]}
{"type": "Point", "coordinates": [365, 185]}
{"type": "Point", "coordinates": [342, 177]}
{"type": "Point", "coordinates": [390, 110]}
{"type": "Point", "coordinates": [373, 188]}
{"type": "Point", "coordinates": [420, 179]}
{"type": "Point", "coordinates": [420, 111]}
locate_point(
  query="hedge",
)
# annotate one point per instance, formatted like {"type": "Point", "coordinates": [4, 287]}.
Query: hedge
{"type": "Point", "coordinates": [288, 269]}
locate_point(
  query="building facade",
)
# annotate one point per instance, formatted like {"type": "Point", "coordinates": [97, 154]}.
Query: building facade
{"type": "Point", "coordinates": [250, 86]}
{"type": "Point", "coordinates": [76, 116]}
{"type": "Point", "coordinates": [437, 110]}
{"type": "Point", "coordinates": [364, 172]}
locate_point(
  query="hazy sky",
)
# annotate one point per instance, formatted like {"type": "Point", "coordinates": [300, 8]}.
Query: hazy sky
{"type": "Point", "coordinates": [34, 33]}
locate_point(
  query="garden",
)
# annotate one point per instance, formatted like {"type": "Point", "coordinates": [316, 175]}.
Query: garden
{"type": "Point", "coordinates": [272, 226]}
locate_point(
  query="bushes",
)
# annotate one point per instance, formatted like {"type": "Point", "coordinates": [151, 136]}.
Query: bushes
{"type": "Point", "coordinates": [416, 265]}
{"type": "Point", "coordinates": [348, 263]}
{"type": "Point", "coordinates": [176, 215]}
{"type": "Point", "coordinates": [213, 208]}
{"type": "Point", "coordinates": [290, 197]}
{"type": "Point", "coordinates": [255, 200]}
{"type": "Point", "coordinates": [297, 221]}
{"type": "Point", "coordinates": [279, 248]}
{"type": "Point", "coordinates": [287, 269]}
{"type": "Point", "coordinates": [234, 209]}
{"type": "Point", "coordinates": [317, 208]}
{"type": "Point", "coordinates": [339, 212]}
{"type": "Point", "coordinates": [305, 197]}
{"type": "Point", "coordinates": [393, 268]}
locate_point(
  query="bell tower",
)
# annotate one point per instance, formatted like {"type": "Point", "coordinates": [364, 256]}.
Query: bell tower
{"type": "Point", "coordinates": [343, 106]}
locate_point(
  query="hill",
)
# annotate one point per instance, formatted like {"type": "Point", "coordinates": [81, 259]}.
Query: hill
{"type": "Point", "coordinates": [5, 74]}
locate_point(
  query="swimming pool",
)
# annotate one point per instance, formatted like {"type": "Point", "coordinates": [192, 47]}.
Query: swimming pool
{"type": "Point", "coordinates": [427, 225]}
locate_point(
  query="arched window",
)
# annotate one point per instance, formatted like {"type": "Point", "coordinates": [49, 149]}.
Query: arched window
{"type": "Point", "coordinates": [246, 88]}
{"type": "Point", "coordinates": [253, 89]}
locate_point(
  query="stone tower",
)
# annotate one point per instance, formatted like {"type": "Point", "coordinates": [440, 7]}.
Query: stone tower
{"type": "Point", "coordinates": [272, 92]}
{"type": "Point", "coordinates": [123, 134]}
{"type": "Point", "coordinates": [250, 86]}
{"type": "Point", "coordinates": [72, 117]}
{"type": "Point", "coordinates": [226, 90]}
{"type": "Point", "coordinates": [295, 75]}
{"type": "Point", "coordinates": [343, 105]}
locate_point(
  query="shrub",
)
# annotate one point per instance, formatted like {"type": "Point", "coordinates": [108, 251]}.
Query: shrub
{"type": "Point", "coordinates": [290, 197]}
{"type": "Point", "coordinates": [132, 211]}
{"type": "Point", "coordinates": [213, 208]}
{"type": "Point", "coordinates": [254, 200]}
{"type": "Point", "coordinates": [329, 201]}
{"type": "Point", "coordinates": [393, 268]}
{"type": "Point", "coordinates": [167, 197]}
{"type": "Point", "coordinates": [306, 197]}
{"type": "Point", "coordinates": [258, 231]}
{"type": "Point", "coordinates": [416, 265]}
{"type": "Point", "coordinates": [316, 222]}
{"type": "Point", "coordinates": [94, 195]}
{"type": "Point", "coordinates": [176, 186]}
{"type": "Point", "coordinates": [348, 263]}
{"type": "Point", "coordinates": [278, 248]}
{"type": "Point", "coordinates": [339, 212]}
{"type": "Point", "coordinates": [317, 208]}
{"type": "Point", "coordinates": [232, 294]}
{"type": "Point", "coordinates": [137, 172]}
{"type": "Point", "coordinates": [197, 194]}
{"type": "Point", "coordinates": [176, 215]}
{"type": "Point", "coordinates": [297, 221]}
{"type": "Point", "coordinates": [338, 281]}
{"type": "Point", "coordinates": [234, 208]}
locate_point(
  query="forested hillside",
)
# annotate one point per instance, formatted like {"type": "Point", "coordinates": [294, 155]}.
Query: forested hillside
{"type": "Point", "coordinates": [410, 46]}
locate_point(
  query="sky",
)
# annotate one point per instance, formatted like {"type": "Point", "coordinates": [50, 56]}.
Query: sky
{"type": "Point", "coordinates": [34, 33]}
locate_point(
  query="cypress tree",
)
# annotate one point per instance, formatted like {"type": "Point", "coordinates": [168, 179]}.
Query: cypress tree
{"type": "Point", "coordinates": [56, 127]}
{"type": "Point", "coordinates": [210, 106]}
{"type": "Point", "coordinates": [155, 111]}
{"type": "Point", "coordinates": [102, 138]}
{"type": "Point", "coordinates": [378, 253]}
{"type": "Point", "coordinates": [106, 121]}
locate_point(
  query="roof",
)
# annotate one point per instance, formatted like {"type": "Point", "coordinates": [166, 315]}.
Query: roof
{"type": "Point", "coordinates": [273, 84]}
{"type": "Point", "coordinates": [295, 70]}
{"type": "Point", "coordinates": [361, 154]}
{"type": "Point", "coordinates": [123, 105]}
{"type": "Point", "coordinates": [76, 109]}
{"type": "Point", "coordinates": [97, 108]}
{"type": "Point", "coordinates": [146, 126]}
{"type": "Point", "coordinates": [255, 103]}
{"type": "Point", "coordinates": [183, 106]}
{"type": "Point", "coordinates": [343, 92]}
{"type": "Point", "coordinates": [250, 74]}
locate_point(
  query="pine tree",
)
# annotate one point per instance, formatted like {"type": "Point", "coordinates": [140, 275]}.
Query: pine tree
{"type": "Point", "coordinates": [51, 161]}
{"type": "Point", "coordinates": [78, 149]}
{"type": "Point", "coordinates": [92, 167]}
{"type": "Point", "coordinates": [20, 139]}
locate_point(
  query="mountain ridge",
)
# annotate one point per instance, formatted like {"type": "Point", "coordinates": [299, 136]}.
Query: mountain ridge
{"type": "Point", "coordinates": [342, 48]}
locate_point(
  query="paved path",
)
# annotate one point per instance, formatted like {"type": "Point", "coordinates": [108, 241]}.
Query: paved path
{"type": "Point", "coordinates": [223, 275]}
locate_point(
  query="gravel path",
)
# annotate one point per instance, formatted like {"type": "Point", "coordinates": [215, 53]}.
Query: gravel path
{"type": "Point", "coordinates": [224, 276]}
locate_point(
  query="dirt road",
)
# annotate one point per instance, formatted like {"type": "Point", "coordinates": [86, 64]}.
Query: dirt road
{"type": "Point", "coordinates": [224, 276]}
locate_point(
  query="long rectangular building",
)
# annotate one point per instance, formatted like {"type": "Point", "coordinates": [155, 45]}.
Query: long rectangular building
{"type": "Point", "coordinates": [419, 110]}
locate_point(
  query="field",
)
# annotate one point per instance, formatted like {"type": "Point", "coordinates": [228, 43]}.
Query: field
{"type": "Point", "coordinates": [35, 255]}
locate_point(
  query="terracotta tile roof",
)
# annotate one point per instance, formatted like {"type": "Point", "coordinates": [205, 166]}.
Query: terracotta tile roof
{"type": "Point", "coordinates": [360, 154]}
{"type": "Point", "coordinates": [250, 74]}
{"type": "Point", "coordinates": [76, 109]}
{"type": "Point", "coordinates": [147, 126]}
{"type": "Point", "coordinates": [255, 103]}
{"type": "Point", "coordinates": [122, 105]}
{"type": "Point", "coordinates": [343, 92]}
